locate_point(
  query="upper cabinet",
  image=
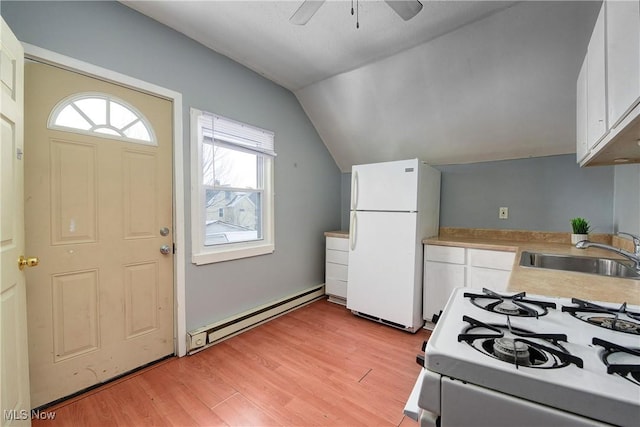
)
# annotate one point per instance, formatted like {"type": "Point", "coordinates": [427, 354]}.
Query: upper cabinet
{"type": "Point", "coordinates": [608, 88]}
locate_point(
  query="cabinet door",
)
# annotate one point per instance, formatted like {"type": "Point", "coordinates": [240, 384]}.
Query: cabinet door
{"type": "Point", "coordinates": [582, 148]}
{"type": "Point", "coordinates": [495, 280]}
{"type": "Point", "coordinates": [440, 280]}
{"type": "Point", "coordinates": [596, 84]}
{"type": "Point", "coordinates": [623, 58]}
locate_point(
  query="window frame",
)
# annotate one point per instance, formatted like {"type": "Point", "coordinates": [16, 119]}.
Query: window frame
{"type": "Point", "coordinates": [72, 99]}
{"type": "Point", "coordinates": [202, 254]}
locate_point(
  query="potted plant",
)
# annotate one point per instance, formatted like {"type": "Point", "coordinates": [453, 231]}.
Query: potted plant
{"type": "Point", "coordinates": [580, 228]}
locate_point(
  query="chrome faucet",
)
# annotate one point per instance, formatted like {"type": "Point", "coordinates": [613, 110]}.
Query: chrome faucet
{"type": "Point", "coordinates": [634, 257]}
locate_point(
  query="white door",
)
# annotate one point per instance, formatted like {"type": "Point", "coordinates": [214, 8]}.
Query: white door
{"type": "Point", "coordinates": [382, 266]}
{"type": "Point", "coordinates": [98, 211]}
{"type": "Point", "coordinates": [14, 360]}
{"type": "Point", "coordinates": [390, 186]}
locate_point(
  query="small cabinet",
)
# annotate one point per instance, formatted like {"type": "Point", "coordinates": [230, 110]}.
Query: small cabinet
{"type": "Point", "coordinates": [596, 84]}
{"type": "Point", "coordinates": [623, 58]}
{"type": "Point", "coordinates": [449, 267]}
{"type": "Point", "coordinates": [608, 87]}
{"type": "Point", "coordinates": [444, 270]}
{"type": "Point", "coordinates": [489, 269]}
{"type": "Point", "coordinates": [336, 268]}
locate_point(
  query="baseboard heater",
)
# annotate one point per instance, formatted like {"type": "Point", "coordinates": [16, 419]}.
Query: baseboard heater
{"type": "Point", "coordinates": [206, 336]}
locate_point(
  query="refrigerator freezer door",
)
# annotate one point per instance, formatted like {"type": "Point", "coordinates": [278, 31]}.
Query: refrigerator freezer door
{"type": "Point", "coordinates": [390, 186]}
{"type": "Point", "coordinates": [382, 275]}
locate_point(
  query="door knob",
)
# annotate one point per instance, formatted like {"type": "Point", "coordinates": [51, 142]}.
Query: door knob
{"type": "Point", "coordinates": [27, 262]}
{"type": "Point", "coordinates": [165, 249]}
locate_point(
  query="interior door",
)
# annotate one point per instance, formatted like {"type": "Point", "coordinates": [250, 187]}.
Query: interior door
{"type": "Point", "coordinates": [98, 211]}
{"type": "Point", "coordinates": [14, 375]}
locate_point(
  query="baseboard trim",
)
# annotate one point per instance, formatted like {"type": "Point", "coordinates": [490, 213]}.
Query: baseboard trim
{"type": "Point", "coordinates": [201, 338]}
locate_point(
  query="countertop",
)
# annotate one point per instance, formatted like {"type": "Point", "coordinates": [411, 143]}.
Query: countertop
{"type": "Point", "coordinates": [552, 282]}
{"type": "Point", "coordinates": [337, 233]}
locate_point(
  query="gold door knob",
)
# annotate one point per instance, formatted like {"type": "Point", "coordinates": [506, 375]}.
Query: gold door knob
{"type": "Point", "coordinates": [27, 262]}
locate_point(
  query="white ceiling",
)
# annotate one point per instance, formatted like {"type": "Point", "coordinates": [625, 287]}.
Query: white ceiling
{"type": "Point", "coordinates": [463, 81]}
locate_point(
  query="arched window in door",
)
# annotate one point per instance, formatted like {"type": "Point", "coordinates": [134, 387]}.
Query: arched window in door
{"type": "Point", "coordinates": [100, 114]}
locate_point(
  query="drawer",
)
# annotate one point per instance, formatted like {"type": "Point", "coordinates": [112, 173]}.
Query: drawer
{"type": "Point", "coordinates": [337, 257]}
{"type": "Point", "coordinates": [336, 271]}
{"type": "Point", "coordinates": [450, 254]}
{"type": "Point", "coordinates": [491, 259]}
{"type": "Point", "coordinates": [338, 244]}
{"type": "Point", "coordinates": [496, 280]}
{"type": "Point", "coordinates": [336, 287]}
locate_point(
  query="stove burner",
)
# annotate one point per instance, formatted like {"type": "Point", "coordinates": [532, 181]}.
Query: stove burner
{"type": "Point", "coordinates": [510, 350]}
{"type": "Point", "coordinates": [511, 305]}
{"type": "Point", "coordinates": [620, 319]}
{"type": "Point", "coordinates": [517, 346]}
{"type": "Point", "coordinates": [620, 360]}
{"type": "Point", "coordinates": [615, 324]}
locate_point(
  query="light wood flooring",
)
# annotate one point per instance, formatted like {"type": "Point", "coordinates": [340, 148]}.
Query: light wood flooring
{"type": "Point", "coordinates": [318, 365]}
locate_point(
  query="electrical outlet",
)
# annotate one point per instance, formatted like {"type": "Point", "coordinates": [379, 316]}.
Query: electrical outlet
{"type": "Point", "coordinates": [503, 213]}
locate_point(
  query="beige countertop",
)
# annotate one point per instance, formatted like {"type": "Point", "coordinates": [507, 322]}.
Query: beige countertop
{"type": "Point", "coordinates": [553, 282]}
{"type": "Point", "coordinates": [337, 233]}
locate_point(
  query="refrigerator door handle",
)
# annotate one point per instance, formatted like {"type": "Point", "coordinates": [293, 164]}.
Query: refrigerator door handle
{"type": "Point", "coordinates": [353, 231]}
{"type": "Point", "coordinates": [354, 193]}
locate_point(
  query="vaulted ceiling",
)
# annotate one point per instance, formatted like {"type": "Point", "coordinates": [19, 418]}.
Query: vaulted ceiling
{"type": "Point", "coordinates": [463, 81]}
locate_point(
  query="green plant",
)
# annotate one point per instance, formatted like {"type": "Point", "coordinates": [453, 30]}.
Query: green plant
{"type": "Point", "coordinates": [580, 226]}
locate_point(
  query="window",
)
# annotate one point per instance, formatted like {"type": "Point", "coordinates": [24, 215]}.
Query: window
{"type": "Point", "coordinates": [100, 114]}
{"type": "Point", "coordinates": [232, 191]}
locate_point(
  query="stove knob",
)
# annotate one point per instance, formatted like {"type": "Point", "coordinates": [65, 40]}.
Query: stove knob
{"type": "Point", "coordinates": [420, 360]}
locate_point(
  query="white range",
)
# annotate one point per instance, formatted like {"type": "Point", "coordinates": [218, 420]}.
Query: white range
{"type": "Point", "coordinates": [526, 360]}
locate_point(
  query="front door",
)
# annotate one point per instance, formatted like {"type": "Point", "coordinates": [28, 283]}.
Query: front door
{"type": "Point", "coordinates": [14, 368]}
{"type": "Point", "coordinates": [98, 211]}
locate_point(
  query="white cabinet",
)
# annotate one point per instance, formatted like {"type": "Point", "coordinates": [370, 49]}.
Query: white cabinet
{"type": "Point", "coordinates": [444, 270]}
{"type": "Point", "coordinates": [596, 83]}
{"type": "Point", "coordinates": [336, 268]}
{"type": "Point", "coordinates": [608, 87]}
{"type": "Point", "coordinates": [448, 267]}
{"type": "Point", "coordinates": [582, 146]}
{"type": "Point", "coordinates": [623, 58]}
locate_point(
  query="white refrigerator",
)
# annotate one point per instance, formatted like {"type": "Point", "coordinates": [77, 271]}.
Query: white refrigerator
{"type": "Point", "coordinates": [394, 206]}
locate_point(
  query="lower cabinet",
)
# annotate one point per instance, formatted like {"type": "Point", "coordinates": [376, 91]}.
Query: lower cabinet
{"type": "Point", "coordinates": [449, 267]}
{"type": "Point", "coordinates": [336, 269]}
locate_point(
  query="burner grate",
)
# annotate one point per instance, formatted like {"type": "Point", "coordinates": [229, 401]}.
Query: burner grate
{"type": "Point", "coordinates": [489, 339]}
{"type": "Point", "coordinates": [511, 305]}
{"type": "Point", "coordinates": [629, 371]}
{"type": "Point", "coordinates": [617, 319]}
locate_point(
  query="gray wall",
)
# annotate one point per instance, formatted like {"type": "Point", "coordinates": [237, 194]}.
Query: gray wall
{"type": "Point", "coordinates": [626, 208]}
{"type": "Point", "coordinates": [541, 193]}
{"type": "Point", "coordinates": [307, 180]}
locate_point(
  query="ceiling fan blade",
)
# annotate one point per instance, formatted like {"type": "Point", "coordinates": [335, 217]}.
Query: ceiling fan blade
{"type": "Point", "coordinates": [307, 9]}
{"type": "Point", "coordinates": [407, 9]}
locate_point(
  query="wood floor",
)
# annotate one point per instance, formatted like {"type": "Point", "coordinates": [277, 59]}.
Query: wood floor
{"type": "Point", "coordinates": [318, 365]}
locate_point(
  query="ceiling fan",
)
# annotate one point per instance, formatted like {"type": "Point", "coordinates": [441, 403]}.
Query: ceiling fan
{"type": "Point", "coordinates": [406, 9]}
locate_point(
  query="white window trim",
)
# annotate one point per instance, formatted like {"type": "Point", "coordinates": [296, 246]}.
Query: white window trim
{"type": "Point", "coordinates": [201, 254]}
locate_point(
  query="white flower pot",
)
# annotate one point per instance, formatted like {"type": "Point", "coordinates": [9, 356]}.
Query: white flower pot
{"type": "Point", "coordinates": [575, 238]}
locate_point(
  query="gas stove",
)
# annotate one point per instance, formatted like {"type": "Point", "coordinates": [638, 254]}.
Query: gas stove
{"type": "Point", "coordinates": [542, 360]}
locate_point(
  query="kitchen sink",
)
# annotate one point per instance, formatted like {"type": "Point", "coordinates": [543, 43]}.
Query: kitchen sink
{"type": "Point", "coordinates": [581, 264]}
